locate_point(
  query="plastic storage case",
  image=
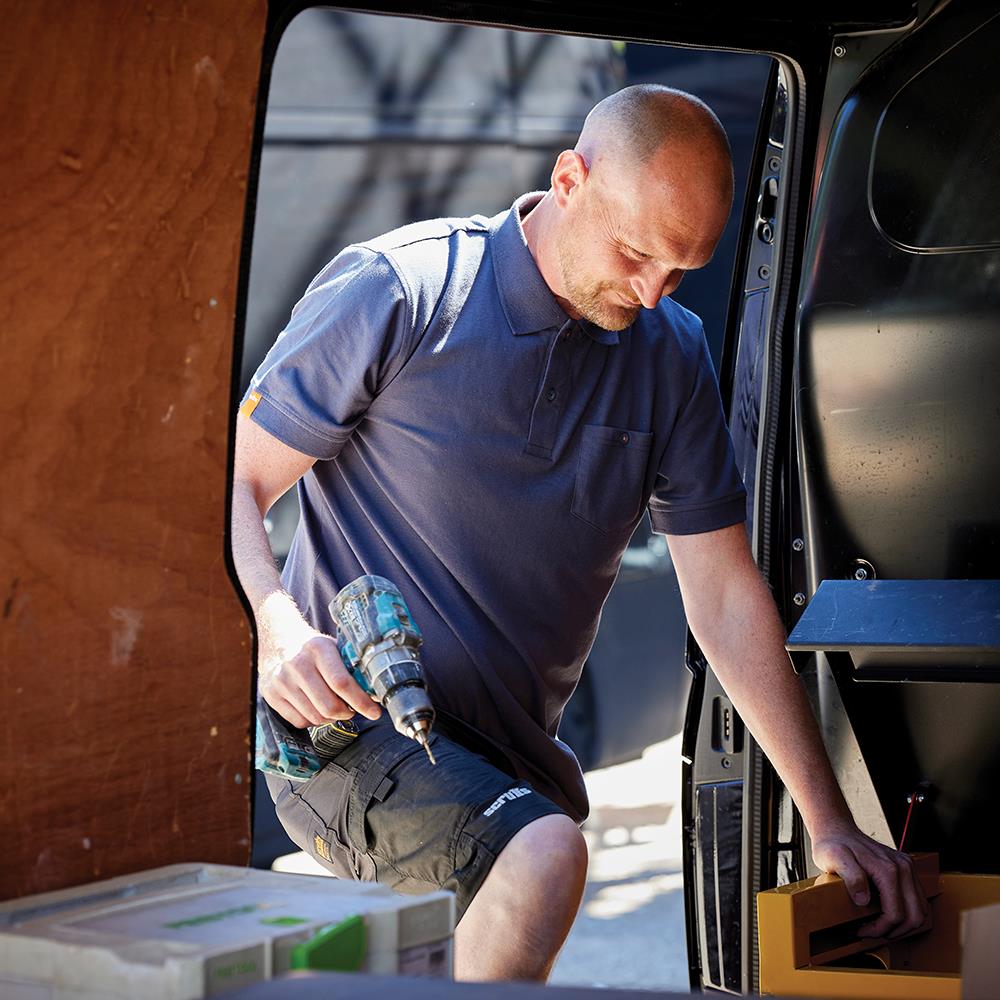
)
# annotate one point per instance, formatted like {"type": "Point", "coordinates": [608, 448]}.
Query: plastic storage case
{"type": "Point", "coordinates": [195, 930]}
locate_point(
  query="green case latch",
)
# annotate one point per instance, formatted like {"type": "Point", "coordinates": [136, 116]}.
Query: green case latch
{"type": "Point", "coordinates": [334, 948]}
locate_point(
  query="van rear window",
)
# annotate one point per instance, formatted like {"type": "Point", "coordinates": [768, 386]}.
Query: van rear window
{"type": "Point", "coordinates": [936, 162]}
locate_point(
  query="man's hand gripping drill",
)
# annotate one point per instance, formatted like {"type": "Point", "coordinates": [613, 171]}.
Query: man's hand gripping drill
{"type": "Point", "coordinates": [306, 702]}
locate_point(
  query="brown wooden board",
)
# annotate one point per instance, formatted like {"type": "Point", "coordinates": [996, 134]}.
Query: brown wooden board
{"type": "Point", "coordinates": [125, 663]}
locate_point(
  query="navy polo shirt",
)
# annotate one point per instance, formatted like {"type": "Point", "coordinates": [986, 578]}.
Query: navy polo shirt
{"type": "Point", "coordinates": [491, 457]}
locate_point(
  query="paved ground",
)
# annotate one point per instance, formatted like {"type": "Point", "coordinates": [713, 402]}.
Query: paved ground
{"type": "Point", "coordinates": [630, 931]}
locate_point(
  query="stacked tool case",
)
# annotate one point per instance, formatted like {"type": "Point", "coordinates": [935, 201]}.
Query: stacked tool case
{"type": "Point", "coordinates": [194, 930]}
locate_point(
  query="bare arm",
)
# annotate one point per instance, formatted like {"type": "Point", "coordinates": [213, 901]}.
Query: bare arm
{"type": "Point", "coordinates": [732, 615]}
{"type": "Point", "coordinates": [301, 675]}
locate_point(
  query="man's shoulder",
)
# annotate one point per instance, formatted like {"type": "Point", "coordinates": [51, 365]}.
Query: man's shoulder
{"type": "Point", "coordinates": [424, 243]}
{"type": "Point", "coordinates": [427, 235]}
{"type": "Point", "coordinates": [424, 254]}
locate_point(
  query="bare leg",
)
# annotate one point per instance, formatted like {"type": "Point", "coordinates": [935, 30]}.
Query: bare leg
{"type": "Point", "coordinates": [519, 919]}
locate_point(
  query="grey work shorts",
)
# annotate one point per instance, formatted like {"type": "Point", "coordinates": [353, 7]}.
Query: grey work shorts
{"type": "Point", "coordinates": [380, 811]}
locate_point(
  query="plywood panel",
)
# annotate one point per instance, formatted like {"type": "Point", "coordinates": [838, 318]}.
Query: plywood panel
{"type": "Point", "coordinates": [125, 668]}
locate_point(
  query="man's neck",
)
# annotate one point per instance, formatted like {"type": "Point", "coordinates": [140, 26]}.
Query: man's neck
{"type": "Point", "coordinates": [539, 232]}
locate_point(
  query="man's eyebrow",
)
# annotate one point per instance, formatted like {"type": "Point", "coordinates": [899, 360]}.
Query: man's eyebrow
{"type": "Point", "coordinates": [637, 246]}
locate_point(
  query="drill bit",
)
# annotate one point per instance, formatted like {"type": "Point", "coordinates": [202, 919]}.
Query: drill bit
{"type": "Point", "coordinates": [421, 737]}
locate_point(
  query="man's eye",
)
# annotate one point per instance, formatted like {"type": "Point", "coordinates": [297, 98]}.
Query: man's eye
{"type": "Point", "coordinates": [638, 254]}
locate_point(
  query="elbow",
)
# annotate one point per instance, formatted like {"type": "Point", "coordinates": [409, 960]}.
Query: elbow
{"type": "Point", "coordinates": [248, 495]}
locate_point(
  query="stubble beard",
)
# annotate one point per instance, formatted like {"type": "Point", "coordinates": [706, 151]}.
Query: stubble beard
{"type": "Point", "coordinates": [591, 301]}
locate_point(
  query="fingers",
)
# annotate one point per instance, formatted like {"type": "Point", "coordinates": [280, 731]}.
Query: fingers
{"type": "Point", "coordinates": [904, 906]}
{"type": "Point", "coordinates": [855, 879]}
{"type": "Point", "coordinates": [917, 907]}
{"type": "Point", "coordinates": [858, 859]}
{"type": "Point", "coordinates": [314, 687]}
{"type": "Point", "coordinates": [884, 875]}
{"type": "Point", "coordinates": [286, 710]}
{"type": "Point", "coordinates": [339, 680]}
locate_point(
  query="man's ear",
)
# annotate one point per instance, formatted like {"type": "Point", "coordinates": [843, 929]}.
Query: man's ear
{"type": "Point", "coordinates": [569, 172]}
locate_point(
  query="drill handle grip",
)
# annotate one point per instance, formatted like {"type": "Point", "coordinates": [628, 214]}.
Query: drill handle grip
{"type": "Point", "coordinates": [351, 661]}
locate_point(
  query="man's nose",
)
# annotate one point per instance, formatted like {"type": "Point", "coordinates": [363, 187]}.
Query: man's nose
{"type": "Point", "coordinates": [649, 287]}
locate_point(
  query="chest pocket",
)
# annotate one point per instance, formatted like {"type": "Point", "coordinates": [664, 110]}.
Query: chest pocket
{"type": "Point", "coordinates": [610, 476]}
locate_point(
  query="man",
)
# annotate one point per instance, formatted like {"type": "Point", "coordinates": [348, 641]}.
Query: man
{"type": "Point", "coordinates": [480, 410]}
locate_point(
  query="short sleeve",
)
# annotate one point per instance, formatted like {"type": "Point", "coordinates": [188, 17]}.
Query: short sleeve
{"type": "Point", "coordinates": [345, 338]}
{"type": "Point", "coordinates": [698, 486]}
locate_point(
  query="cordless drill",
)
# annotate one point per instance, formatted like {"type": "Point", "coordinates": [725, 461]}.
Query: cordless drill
{"type": "Point", "coordinates": [379, 644]}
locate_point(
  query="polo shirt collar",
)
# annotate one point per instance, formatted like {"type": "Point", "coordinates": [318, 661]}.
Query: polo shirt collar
{"type": "Point", "coordinates": [527, 302]}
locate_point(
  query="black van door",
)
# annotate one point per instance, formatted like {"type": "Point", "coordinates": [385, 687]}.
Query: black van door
{"type": "Point", "coordinates": [862, 363]}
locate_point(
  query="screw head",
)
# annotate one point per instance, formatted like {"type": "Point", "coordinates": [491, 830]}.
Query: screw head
{"type": "Point", "coordinates": [798, 545]}
{"type": "Point", "coordinates": [727, 762]}
{"type": "Point", "coordinates": [799, 599]}
{"type": "Point", "coordinates": [839, 51]}
{"type": "Point", "coordinates": [860, 569]}
{"type": "Point", "coordinates": [763, 272]}
{"type": "Point", "coordinates": [774, 163]}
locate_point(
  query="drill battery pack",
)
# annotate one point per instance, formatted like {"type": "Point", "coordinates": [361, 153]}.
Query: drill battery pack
{"type": "Point", "coordinates": [296, 754]}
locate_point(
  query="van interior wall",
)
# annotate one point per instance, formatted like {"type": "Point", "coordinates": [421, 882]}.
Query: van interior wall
{"type": "Point", "coordinates": [125, 667]}
{"type": "Point", "coordinates": [898, 412]}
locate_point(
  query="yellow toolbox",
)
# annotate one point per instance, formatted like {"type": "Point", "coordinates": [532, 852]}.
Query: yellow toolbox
{"type": "Point", "coordinates": [807, 933]}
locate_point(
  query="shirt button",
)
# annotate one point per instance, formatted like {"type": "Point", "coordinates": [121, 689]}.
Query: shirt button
{"type": "Point", "coordinates": [550, 395]}
{"type": "Point", "coordinates": [623, 437]}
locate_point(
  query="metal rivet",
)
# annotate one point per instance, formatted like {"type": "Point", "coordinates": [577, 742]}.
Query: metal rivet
{"type": "Point", "coordinates": [623, 438]}
{"type": "Point", "coordinates": [763, 272]}
{"type": "Point", "coordinates": [799, 599]}
{"type": "Point", "coordinates": [550, 395]}
{"type": "Point", "coordinates": [774, 163]}
{"type": "Point", "coordinates": [839, 51]}
{"type": "Point", "coordinates": [798, 545]}
{"type": "Point", "coordinates": [726, 762]}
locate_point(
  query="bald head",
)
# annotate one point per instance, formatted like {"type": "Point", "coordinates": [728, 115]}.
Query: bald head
{"type": "Point", "coordinates": [648, 126]}
{"type": "Point", "coordinates": [641, 200]}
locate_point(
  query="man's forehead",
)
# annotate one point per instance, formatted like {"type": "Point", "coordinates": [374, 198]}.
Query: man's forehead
{"type": "Point", "coordinates": [663, 211]}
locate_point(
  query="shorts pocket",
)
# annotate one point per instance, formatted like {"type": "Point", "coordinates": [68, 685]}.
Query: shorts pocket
{"type": "Point", "coordinates": [409, 813]}
{"type": "Point", "coordinates": [610, 476]}
{"type": "Point", "coordinates": [374, 781]}
{"type": "Point", "coordinates": [315, 816]}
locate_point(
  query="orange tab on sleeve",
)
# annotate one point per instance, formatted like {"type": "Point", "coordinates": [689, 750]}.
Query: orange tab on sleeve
{"type": "Point", "coordinates": [250, 404]}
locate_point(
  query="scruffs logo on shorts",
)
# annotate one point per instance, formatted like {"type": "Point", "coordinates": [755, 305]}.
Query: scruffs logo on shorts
{"type": "Point", "coordinates": [321, 848]}
{"type": "Point", "coordinates": [514, 793]}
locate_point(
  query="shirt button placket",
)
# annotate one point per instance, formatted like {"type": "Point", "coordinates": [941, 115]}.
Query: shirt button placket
{"type": "Point", "coordinates": [548, 405]}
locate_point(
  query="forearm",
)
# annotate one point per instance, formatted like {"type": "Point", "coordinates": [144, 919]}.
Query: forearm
{"type": "Point", "coordinates": [280, 624]}
{"type": "Point", "coordinates": [302, 675]}
{"type": "Point", "coordinates": [746, 647]}
{"type": "Point", "coordinates": [734, 619]}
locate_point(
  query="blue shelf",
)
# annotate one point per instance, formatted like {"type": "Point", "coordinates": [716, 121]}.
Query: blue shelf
{"type": "Point", "coordinates": [904, 630]}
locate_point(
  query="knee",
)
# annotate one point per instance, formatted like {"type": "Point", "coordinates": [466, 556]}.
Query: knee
{"type": "Point", "coordinates": [550, 853]}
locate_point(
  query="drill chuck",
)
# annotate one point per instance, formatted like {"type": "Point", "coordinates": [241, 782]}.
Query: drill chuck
{"type": "Point", "coordinates": [379, 642]}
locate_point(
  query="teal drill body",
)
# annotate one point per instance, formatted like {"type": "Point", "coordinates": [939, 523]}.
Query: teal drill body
{"type": "Point", "coordinates": [379, 643]}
